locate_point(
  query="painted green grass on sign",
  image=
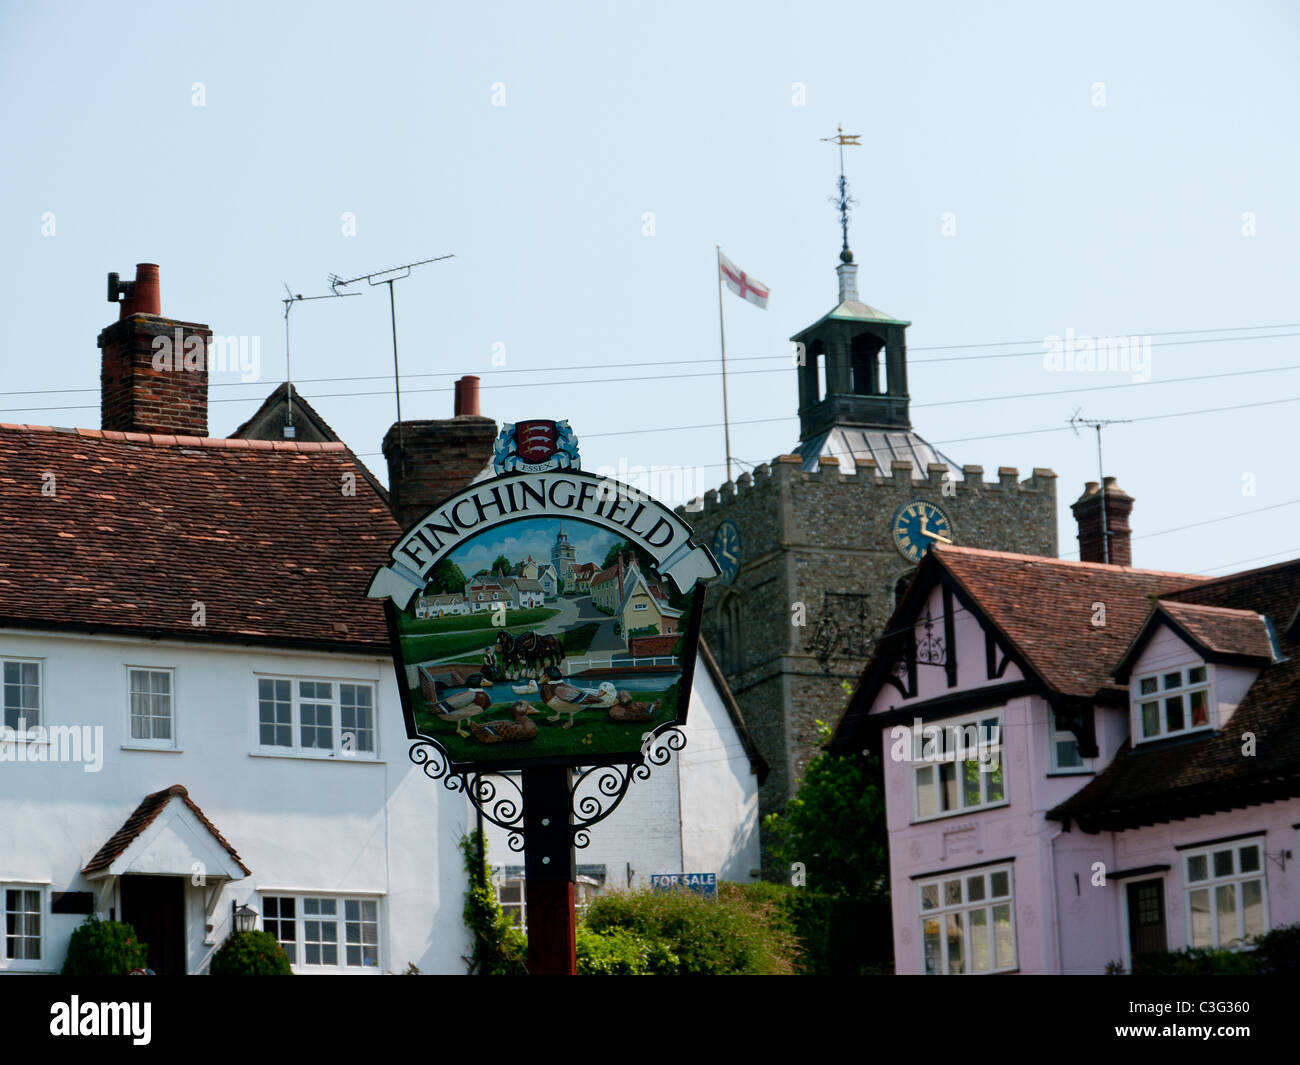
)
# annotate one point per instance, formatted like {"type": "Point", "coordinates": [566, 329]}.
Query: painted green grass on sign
{"type": "Point", "coordinates": [424, 648]}
{"type": "Point", "coordinates": [593, 732]}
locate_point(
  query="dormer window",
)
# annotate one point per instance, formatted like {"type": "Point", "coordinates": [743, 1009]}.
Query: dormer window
{"type": "Point", "coordinates": [1172, 702]}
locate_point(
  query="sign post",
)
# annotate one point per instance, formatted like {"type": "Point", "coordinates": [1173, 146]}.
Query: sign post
{"type": "Point", "coordinates": [544, 624]}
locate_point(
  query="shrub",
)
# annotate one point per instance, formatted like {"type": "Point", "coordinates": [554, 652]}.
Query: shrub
{"type": "Point", "coordinates": [250, 954]}
{"type": "Point", "coordinates": [1195, 961]}
{"type": "Point", "coordinates": [104, 948]}
{"type": "Point", "coordinates": [1278, 952]}
{"type": "Point", "coordinates": [617, 952]}
{"type": "Point", "coordinates": [688, 934]}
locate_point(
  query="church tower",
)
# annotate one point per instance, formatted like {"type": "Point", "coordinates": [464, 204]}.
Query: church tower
{"type": "Point", "coordinates": [563, 556]}
{"type": "Point", "coordinates": [816, 546]}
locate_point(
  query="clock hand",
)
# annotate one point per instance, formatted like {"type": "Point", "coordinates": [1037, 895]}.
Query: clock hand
{"type": "Point", "coordinates": [935, 536]}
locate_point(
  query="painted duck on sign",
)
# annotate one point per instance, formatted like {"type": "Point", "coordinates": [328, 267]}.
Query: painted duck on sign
{"type": "Point", "coordinates": [460, 707]}
{"type": "Point", "coordinates": [566, 699]}
{"type": "Point", "coordinates": [517, 730]}
{"type": "Point", "coordinates": [625, 708]}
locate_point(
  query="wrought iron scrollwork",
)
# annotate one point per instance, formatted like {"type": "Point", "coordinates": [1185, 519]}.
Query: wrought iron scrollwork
{"type": "Point", "coordinates": [501, 803]}
{"type": "Point", "coordinates": [595, 793]}
{"type": "Point", "coordinates": [433, 759]}
{"type": "Point", "coordinates": [929, 649]}
{"type": "Point", "coordinates": [497, 796]}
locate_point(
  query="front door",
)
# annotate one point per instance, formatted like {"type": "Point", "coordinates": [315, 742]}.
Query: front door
{"type": "Point", "coordinates": [155, 907]}
{"type": "Point", "coordinates": [1146, 918]}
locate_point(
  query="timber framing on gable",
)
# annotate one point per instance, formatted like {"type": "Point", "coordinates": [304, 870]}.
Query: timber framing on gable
{"type": "Point", "coordinates": [894, 663]}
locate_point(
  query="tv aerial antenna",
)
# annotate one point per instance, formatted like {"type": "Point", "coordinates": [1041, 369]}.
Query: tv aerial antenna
{"type": "Point", "coordinates": [387, 277]}
{"type": "Point", "coordinates": [289, 300]}
{"type": "Point", "coordinates": [1099, 424]}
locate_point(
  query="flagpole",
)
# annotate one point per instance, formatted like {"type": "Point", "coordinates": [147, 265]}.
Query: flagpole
{"type": "Point", "coordinates": [722, 334]}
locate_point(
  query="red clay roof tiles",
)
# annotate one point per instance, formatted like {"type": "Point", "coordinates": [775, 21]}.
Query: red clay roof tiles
{"type": "Point", "coordinates": [111, 530]}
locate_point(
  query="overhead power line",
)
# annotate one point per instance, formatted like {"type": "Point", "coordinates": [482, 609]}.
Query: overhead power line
{"type": "Point", "coordinates": [784, 358]}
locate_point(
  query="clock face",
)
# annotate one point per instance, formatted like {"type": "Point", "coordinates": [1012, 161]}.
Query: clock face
{"type": "Point", "coordinates": [726, 549]}
{"type": "Point", "coordinates": [917, 527]}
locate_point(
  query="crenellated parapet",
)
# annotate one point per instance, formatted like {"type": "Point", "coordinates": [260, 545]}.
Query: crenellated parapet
{"type": "Point", "coordinates": [939, 480]}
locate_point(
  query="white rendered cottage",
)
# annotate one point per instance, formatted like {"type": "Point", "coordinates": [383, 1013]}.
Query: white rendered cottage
{"type": "Point", "coordinates": [185, 730]}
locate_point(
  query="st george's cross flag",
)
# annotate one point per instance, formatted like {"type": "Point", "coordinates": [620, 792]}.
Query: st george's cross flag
{"type": "Point", "coordinates": [741, 283]}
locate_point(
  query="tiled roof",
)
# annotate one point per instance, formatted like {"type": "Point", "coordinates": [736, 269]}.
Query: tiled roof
{"type": "Point", "coordinates": [1149, 783]}
{"type": "Point", "coordinates": [142, 817]}
{"type": "Point", "coordinates": [129, 531]}
{"type": "Point", "coordinates": [1046, 607]}
{"type": "Point", "coordinates": [1222, 629]}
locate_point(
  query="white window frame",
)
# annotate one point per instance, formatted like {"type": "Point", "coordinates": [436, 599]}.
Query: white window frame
{"type": "Point", "coordinates": [1161, 697]}
{"type": "Point", "coordinates": [39, 964]}
{"type": "Point", "coordinates": [296, 749]}
{"type": "Point", "coordinates": [920, 767]}
{"type": "Point", "coordinates": [131, 740]}
{"type": "Point", "coordinates": [1211, 884]}
{"type": "Point", "coordinates": [20, 660]}
{"type": "Point", "coordinates": [499, 881]}
{"type": "Point", "coordinates": [963, 908]}
{"type": "Point", "coordinates": [340, 920]}
{"type": "Point", "coordinates": [1059, 735]}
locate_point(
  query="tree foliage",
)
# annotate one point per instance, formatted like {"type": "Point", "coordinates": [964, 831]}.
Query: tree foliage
{"type": "Point", "coordinates": [499, 948]}
{"type": "Point", "coordinates": [447, 577]}
{"type": "Point", "coordinates": [834, 827]}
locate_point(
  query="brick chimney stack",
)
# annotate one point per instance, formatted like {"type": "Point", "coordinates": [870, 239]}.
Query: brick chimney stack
{"type": "Point", "coordinates": [154, 370]}
{"type": "Point", "coordinates": [431, 460]}
{"type": "Point", "coordinates": [1087, 512]}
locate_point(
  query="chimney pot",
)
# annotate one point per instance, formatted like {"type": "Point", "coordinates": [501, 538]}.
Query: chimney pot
{"type": "Point", "coordinates": [148, 293]}
{"type": "Point", "coordinates": [467, 396]}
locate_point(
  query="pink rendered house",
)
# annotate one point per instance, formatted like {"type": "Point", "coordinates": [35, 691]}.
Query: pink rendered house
{"type": "Point", "coordinates": [1084, 761]}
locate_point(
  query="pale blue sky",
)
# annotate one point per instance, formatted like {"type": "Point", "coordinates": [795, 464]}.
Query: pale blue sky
{"type": "Point", "coordinates": [1118, 219]}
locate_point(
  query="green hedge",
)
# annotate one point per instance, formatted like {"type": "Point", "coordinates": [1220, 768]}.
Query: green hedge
{"type": "Point", "coordinates": [1274, 954]}
{"type": "Point", "coordinates": [672, 933]}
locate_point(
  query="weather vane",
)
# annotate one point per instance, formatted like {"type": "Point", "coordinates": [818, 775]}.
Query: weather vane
{"type": "Point", "coordinates": [844, 201]}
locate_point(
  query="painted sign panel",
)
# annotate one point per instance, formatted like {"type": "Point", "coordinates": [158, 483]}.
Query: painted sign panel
{"type": "Point", "coordinates": [545, 614]}
{"type": "Point", "coordinates": [700, 883]}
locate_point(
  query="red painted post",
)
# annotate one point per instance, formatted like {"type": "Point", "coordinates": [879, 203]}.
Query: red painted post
{"type": "Point", "coordinates": [551, 928]}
